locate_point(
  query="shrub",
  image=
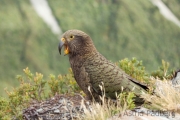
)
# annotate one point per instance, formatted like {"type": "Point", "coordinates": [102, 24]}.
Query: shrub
{"type": "Point", "coordinates": [34, 87]}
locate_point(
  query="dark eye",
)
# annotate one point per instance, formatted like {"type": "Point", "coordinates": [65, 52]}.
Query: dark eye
{"type": "Point", "coordinates": [71, 36]}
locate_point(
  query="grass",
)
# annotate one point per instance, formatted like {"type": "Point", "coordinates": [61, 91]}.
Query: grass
{"type": "Point", "coordinates": [108, 107]}
{"type": "Point", "coordinates": [35, 87]}
{"type": "Point", "coordinates": [166, 96]}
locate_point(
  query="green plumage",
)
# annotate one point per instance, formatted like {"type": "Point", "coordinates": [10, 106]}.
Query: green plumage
{"type": "Point", "coordinates": [91, 69]}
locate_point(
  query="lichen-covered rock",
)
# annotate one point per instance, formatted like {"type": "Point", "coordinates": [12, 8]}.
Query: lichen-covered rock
{"type": "Point", "coordinates": [59, 107]}
{"type": "Point", "coordinates": [176, 79]}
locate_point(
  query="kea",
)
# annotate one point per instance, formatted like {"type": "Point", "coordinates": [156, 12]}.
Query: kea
{"type": "Point", "coordinates": [92, 70]}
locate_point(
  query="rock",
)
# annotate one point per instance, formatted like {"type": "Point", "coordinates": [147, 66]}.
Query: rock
{"type": "Point", "coordinates": [60, 107]}
{"type": "Point", "coordinates": [176, 79]}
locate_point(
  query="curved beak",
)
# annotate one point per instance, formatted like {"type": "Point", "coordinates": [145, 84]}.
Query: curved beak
{"type": "Point", "coordinates": [61, 44]}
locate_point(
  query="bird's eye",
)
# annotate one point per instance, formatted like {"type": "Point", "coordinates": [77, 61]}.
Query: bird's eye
{"type": "Point", "coordinates": [71, 36]}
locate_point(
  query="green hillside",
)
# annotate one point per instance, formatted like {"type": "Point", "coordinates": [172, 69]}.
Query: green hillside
{"type": "Point", "coordinates": [120, 29]}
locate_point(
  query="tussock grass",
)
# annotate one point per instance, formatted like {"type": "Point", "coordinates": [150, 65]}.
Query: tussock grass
{"type": "Point", "coordinates": [165, 97]}
{"type": "Point", "coordinates": [102, 111]}
{"type": "Point", "coordinates": [108, 107]}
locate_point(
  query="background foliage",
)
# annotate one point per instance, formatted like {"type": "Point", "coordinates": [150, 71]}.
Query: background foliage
{"type": "Point", "coordinates": [119, 28]}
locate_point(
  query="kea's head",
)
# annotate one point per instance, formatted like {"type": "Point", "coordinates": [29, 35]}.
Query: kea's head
{"type": "Point", "coordinates": [76, 42]}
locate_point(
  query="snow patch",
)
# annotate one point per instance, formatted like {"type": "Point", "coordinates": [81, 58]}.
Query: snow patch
{"type": "Point", "coordinates": [44, 11]}
{"type": "Point", "coordinates": [166, 12]}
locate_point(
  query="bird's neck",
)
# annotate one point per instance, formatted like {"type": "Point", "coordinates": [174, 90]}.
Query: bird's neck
{"type": "Point", "coordinates": [84, 51]}
{"type": "Point", "coordinates": [77, 61]}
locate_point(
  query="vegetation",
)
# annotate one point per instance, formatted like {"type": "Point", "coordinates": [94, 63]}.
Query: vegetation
{"type": "Point", "coordinates": [165, 97]}
{"type": "Point", "coordinates": [163, 71]}
{"type": "Point", "coordinates": [34, 87]}
{"type": "Point", "coordinates": [108, 109]}
{"type": "Point", "coordinates": [135, 69]}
